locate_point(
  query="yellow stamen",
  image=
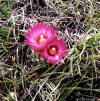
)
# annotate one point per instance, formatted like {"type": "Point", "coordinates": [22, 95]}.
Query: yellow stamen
{"type": "Point", "coordinates": [42, 38]}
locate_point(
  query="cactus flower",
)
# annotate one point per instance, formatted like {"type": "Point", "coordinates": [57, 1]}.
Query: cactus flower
{"type": "Point", "coordinates": [39, 35]}
{"type": "Point", "coordinates": [54, 51]}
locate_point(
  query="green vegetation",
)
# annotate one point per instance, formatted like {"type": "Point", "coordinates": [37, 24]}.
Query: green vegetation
{"type": "Point", "coordinates": [25, 75]}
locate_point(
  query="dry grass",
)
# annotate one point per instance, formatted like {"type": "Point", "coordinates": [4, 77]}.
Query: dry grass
{"type": "Point", "coordinates": [25, 75]}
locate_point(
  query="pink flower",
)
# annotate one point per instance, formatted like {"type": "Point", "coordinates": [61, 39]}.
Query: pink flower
{"type": "Point", "coordinates": [39, 35]}
{"type": "Point", "coordinates": [54, 51]}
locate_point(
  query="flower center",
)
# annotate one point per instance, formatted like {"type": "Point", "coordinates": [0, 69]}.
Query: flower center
{"type": "Point", "coordinates": [52, 51]}
{"type": "Point", "coordinates": [42, 39]}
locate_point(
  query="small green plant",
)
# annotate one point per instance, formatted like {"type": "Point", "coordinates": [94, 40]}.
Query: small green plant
{"type": "Point", "coordinates": [5, 14]}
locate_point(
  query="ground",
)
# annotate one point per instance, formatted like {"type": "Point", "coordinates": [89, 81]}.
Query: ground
{"type": "Point", "coordinates": [25, 75]}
